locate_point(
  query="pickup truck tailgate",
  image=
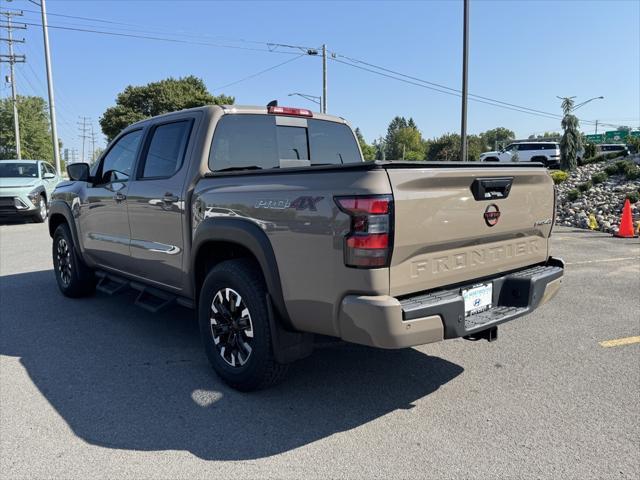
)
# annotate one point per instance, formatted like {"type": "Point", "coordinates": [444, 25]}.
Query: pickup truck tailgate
{"type": "Point", "coordinates": [457, 224]}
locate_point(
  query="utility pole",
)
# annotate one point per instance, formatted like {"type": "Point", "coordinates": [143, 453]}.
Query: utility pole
{"type": "Point", "coordinates": [596, 127]}
{"type": "Point", "coordinates": [12, 59]}
{"type": "Point", "coordinates": [324, 78]}
{"type": "Point", "coordinates": [93, 144]}
{"type": "Point", "coordinates": [52, 103]}
{"type": "Point", "coordinates": [84, 130]}
{"type": "Point", "coordinates": [465, 62]}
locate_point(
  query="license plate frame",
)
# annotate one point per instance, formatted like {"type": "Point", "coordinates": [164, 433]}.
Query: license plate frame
{"type": "Point", "coordinates": [477, 298]}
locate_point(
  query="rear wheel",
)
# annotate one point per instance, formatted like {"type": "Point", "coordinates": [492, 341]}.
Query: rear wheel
{"type": "Point", "coordinates": [43, 210]}
{"type": "Point", "coordinates": [234, 326]}
{"type": "Point", "coordinates": [74, 278]}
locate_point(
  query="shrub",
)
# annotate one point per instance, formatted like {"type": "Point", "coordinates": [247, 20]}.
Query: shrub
{"type": "Point", "coordinates": [624, 167]}
{"type": "Point", "coordinates": [611, 170]}
{"type": "Point", "coordinates": [559, 176]}
{"type": "Point", "coordinates": [590, 150]}
{"type": "Point", "coordinates": [583, 187]}
{"type": "Point", "coordinates": [633, 197]}
{"type": "Point", "coordinates": [631, 171]}
{"type": "Point", "coordinates": [573, 195]}
{"type": "Point", "coordinates": [600, 177]}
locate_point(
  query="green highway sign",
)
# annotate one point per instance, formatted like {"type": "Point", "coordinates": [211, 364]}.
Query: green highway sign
{"type": "Point", "coordinates": [595, 138]}
{"type": "Point", "coordinates": [635, 133]}
{"type": "Point", "coordinates": [616, 135]}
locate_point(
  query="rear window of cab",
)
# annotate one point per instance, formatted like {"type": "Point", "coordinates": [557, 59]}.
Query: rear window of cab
{"type": "Point", "coordinates": [259, 141]}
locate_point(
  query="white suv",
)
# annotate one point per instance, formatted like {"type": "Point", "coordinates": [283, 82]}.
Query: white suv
{"type": "Point", "coordinates": [547, 153]}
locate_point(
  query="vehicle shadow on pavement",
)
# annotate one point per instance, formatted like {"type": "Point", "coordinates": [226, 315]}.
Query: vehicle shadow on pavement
{"type": "Point", "coordinates": [125, 378]}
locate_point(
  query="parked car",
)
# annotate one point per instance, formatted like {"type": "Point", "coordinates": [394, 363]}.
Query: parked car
{"type": "Point", "coordinates": [547, 153]}
{"type": "Point", "coordinates": [278, 230]}
{"type": "Point", "coordinates": [607, 148]}
{"type": "Point", "coordinates": [26, 187]}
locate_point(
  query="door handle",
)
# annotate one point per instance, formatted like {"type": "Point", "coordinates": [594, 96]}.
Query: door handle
{"type": "Point", "coordinates": [170, 198]}
{"type": "Point", "coordinates": [118, 197]}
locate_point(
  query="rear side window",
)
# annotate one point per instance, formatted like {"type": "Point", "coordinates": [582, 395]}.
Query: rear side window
{"type": "Point", "coordinates": [166, 149]}
{"type": "Point", "coordinates": [256, 141]}
{"type": "Point", "coordinates": [244, 141]}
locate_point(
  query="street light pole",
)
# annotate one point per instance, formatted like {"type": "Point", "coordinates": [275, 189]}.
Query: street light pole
{"type": "Point", "coordinates": [465, 62]}
{"type": "Point", "coordinates": [52, 106]}
{"type": "Point", "coordinates": [585, 102]}
{"type": "Point", "coordinates": [311, 98]}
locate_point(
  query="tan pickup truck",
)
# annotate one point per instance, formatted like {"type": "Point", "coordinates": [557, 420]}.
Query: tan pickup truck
{"type": "Point", "coordinates": [269, 223]}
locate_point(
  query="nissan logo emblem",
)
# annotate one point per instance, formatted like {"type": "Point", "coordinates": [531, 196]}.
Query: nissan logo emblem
{"type": "Point", "coordinates": [492, 214]}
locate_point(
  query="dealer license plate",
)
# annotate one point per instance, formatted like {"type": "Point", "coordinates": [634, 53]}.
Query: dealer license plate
{"type": "Point", "coordinates": [477, 299]}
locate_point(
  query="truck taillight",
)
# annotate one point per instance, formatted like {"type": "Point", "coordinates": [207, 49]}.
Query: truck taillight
{"type": "Point", "coordinates": [298, 112]}
{"type": "Point", "coordinates": [368, 243]}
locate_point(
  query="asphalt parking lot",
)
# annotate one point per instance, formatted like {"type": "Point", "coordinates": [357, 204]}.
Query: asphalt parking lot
{"type": "Point", "coordinates": [98, 388]}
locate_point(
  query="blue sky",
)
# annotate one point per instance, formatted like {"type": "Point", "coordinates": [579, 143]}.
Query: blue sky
{"type": "Point", "coordinates": [521, 52]}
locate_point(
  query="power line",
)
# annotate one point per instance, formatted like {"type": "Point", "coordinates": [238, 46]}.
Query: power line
{"type": "Point", "coordinates": [378, 70]}
{"type": "Point", "coordinates": [444, 91]}
{"type": "Point", "coordinates": [271, 47]}
{"type": "Point", "coordinates": [451, 89]}
{"type": "Point", "coordinates": [164, 28]}
{"type": "Point", "coordinates": [259, 73]}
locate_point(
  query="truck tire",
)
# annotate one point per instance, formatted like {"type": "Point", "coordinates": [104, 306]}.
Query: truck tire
{"type": "Point", "coordinates": [74, 278]}
{"type": "Point", "coordinates": [234, 326]}
{"type": "Point", "coordinates": [43, 210]}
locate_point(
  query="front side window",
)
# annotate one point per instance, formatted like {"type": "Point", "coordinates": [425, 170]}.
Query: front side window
{"type": "Point", "coordinates": [166, 150]}
{"type": "Point", "coordinates": [248, 140]}
{"type": "Point", "coordinates": [117, 164]}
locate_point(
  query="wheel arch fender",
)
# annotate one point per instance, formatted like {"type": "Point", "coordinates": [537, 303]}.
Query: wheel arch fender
{"type": "Point", "coordinates": [60, 212]}
{"type": "Point", "coordinates": [250, 237]}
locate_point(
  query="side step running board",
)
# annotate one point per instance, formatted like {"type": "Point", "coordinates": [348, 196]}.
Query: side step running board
{"type": "Point", "coordinates": [109, 284]}
{"type": "Point", "coordinates": [151, 299]}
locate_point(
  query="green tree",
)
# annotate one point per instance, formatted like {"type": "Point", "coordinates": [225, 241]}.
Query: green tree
{"type": "Point", "coordinates": [447, 148]}
{"type": "Point", "coordinates": [496, 138]}
{"type": "Point", "coordinates": [136, 103]}
{"type": "Point", "coordinates": [444, 148]}
{"type": "Point", "coordinates": [35, 134]}
{"type": "Point", "coordinates": [571, 141]}
{"type": "Point", "coordinates": [404, 140]}
{"type": "Point", "coordinates": [368, 151]}
{"type": "Point", "coordinates": [475, 146]}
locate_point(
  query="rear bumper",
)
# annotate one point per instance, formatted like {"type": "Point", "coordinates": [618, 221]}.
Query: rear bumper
{"type": "Point", "coordinates": [388, 322]}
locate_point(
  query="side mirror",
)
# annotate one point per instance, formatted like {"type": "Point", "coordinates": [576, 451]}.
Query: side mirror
{"type": "Point", "coordinates": [78, 171]}
{"type": "Point", "coordinates": [48, 176]}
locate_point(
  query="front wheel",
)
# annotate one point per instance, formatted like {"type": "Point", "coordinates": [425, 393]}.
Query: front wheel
{"type": "Point", "coordinates": [43, 210]}
{"type": "Point", "coordinates": [74, 278]}
{"type": "Point", "coordinates": [234, 326]}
